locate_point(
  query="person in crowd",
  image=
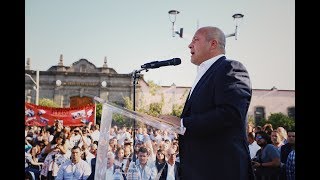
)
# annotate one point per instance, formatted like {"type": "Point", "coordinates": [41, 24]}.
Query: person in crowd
{"type": "Point", "coordinates": [122, 135]}
{"type": "Point", "coordinates": [33, 164]}
{"type": "Point", "coordinates": [291, 166]}
{"type": "Point", "coordinates": [93, 149]}
{"type": "Point", "coordinates": [276, 139]}
{"type": "Point", "coordinates": [286, 150]}
{"type": "Point", "coordinates": [253, 146]}
{"type": "Point", "coordinates": [86, 154]}
{"type": "Point", "coordinates": [111, 166]}
{"type": "Point", "coordinates": [171, 169]}
{"type": "Point", "coordinates": [85, 138]}
{"type": "Point", "coordinates": [267, 160]}
{"type": "Point", "coordinates": [146, 171]}
{"type": "Point", "coordinates": [120, 160]}
{"type": "Point", "coordinates": [160, 161]}
{"type": "Point", "coordinates": [56, 150]}
{"type": "Point", "coordinates": [95, 135]}
{"type": "Point", "coordinates": [268, 128]}
{"type": "Point", "coordinates": [215, 113]}
{"type": "Point", "coordinates": [75, 168]}
{"type": "Point", "coordinates": [75, 137]}
{"type": "Point", "coordinates": [283, 134]}
{"type": "Point", "coordinates": [257, 129]}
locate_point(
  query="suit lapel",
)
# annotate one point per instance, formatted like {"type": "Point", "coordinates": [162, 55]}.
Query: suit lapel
{"type": "Point", "coordinates": [212, 69]}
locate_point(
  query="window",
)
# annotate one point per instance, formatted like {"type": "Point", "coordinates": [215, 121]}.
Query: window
{"type": "Point", "coordinates": [259, 113]}
{"type": "Point", "coordinates": [83, 68]}
{"type": "Point", "coordinates": [291, 112]}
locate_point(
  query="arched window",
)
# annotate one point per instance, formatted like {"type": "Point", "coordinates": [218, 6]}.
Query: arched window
{"type": "Point", "coordinates": [292, 112]}
{"type": "Point", "coordinates": [259, 113]}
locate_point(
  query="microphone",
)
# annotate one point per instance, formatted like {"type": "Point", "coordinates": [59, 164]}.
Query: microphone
{"type": "Point", "coordinates": [157, 64]}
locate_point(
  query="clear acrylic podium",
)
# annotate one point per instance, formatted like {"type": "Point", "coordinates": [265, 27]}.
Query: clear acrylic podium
{"type": "Point", "coordinates": [108, 111]}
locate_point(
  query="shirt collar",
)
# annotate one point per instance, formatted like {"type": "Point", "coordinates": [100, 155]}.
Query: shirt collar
{"type": "Point", "coordinates": [206, 64]}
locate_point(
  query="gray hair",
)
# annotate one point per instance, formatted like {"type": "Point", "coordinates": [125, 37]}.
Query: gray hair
{"type": "Point", "coordinates": [215, 33]}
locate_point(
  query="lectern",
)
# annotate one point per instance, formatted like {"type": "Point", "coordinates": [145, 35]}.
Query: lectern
{"type": "Point", "coordinates": [108, 111]}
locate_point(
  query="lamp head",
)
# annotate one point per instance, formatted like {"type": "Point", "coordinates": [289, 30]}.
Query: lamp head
{"type": "Point", "coordinates": [172, 15]}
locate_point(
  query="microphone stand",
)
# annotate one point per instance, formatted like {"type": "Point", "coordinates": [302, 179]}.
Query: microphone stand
{"type": "Point", "coordinates": [135, 75]}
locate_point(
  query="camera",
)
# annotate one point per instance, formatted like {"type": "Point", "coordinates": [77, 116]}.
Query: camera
{"type": "Point", "coordinates": [76, 130]}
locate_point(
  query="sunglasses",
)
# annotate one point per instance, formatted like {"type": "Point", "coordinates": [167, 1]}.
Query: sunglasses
{"type": "Point", "coordinates": [259, 137]}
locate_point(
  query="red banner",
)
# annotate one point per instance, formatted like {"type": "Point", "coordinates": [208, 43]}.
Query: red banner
{"type": "Point", "coordinates": [42, 115]}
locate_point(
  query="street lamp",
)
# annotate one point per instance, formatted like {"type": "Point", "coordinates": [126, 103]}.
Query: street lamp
{"type": "Point", "coordinates": [37, 85]}
{"type": "Point", "coordinates": [172, 17]}
{"type": "Point", "coordinates": [237, 18]}
{"type": "Point", "coordinates": [58, 84]}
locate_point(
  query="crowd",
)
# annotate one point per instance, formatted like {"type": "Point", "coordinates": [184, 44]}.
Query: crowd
{"type": "Point", "coordinates": [63, 152]}
{"type": "Point", "coordinates": [272, 152]}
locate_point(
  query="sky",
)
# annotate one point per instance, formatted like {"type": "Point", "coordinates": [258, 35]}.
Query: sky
{"type": "Point", "coordinates": [132, 33]}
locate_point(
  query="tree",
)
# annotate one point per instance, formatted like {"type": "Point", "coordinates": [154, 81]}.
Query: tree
{"type": "Point", "coordinates": [128, 103]}
{"type": "Point", "coordinates": [155, 109]}
{"type": "Point", "coordinates": [261, 122]}
{"type": "Point", "coordinates": [176, 110]}
{"type": "Point", "coordinates": [280, 119]}
{"type": "Point", "coordinates": [98, 113]}
{"type": "Point", "coordinates": [47, 102]}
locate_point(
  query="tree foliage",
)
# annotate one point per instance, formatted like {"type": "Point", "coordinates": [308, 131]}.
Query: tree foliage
{"type": "Point", "coordinates": [47, 102]}
{"type": "Point", "coordinates": [176, 110]}
{"type": "Point", "coordinates": [155, 109]}
{"type": "Point", "coordinates": [98, 113]}
{"type": "Point", "coordinates": [153, 88]}
{"type": "Point", "coordinates": [128, 103]}
{"type": "Point", "coordinates": [278, 119]}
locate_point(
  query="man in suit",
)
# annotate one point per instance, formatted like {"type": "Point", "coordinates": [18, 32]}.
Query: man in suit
{"type": "Point", "coordinates": [214, 145]}
{"type": "Point", "coordinates": [171, 169]}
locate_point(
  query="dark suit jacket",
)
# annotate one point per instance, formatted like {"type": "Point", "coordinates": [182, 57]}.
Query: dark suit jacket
{"type": "Point", "coordinates": [176, 171]}
{"type": "Point", "coordinates": [214, 145]}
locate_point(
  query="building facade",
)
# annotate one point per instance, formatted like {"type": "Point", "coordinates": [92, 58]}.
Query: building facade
{"type": "Point", "coordinates": [78, 84]}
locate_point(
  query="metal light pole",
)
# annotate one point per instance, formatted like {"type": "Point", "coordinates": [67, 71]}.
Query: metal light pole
{"type": "Point", "coordinates": [236, 18]}
{"type": "Point", "coordinates": [172, 16]}
{"type": "Point", "coordinates": [37, 85]}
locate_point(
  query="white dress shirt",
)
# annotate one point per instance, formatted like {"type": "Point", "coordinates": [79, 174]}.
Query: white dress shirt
{"type": "Point", "coordinates": [148, 172]}
{"type": "Point", "coordinates": [170, 173]}
{"type": "Point", "coordinates": [70, 171]}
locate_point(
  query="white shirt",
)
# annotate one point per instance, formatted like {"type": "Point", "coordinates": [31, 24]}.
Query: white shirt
{"type": "Point", "coordinates": [202, 69]}
{"type": "Point", "coordinates": [95, 135]}
{"type": "Point", "coordinates": [253, 148]}
{"type": "Point", "coordinates": [149, 172]}
{"type": "Point", "coordinates": [70, 171]}
{"type": "Point", "coordinates": [170, 173]}
{"type": "Point", "coordinates": [109, 173]}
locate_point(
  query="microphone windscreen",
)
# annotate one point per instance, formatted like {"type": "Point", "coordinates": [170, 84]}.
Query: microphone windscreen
{"type": "Point", "coordinates": [176, 61]}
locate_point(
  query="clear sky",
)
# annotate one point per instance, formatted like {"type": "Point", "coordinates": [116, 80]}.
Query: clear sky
{"type": "Point", "coordinates": [130, 33]}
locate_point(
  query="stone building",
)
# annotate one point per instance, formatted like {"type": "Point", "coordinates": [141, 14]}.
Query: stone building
{"type": "Point", "coordinates": [76, 85]}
